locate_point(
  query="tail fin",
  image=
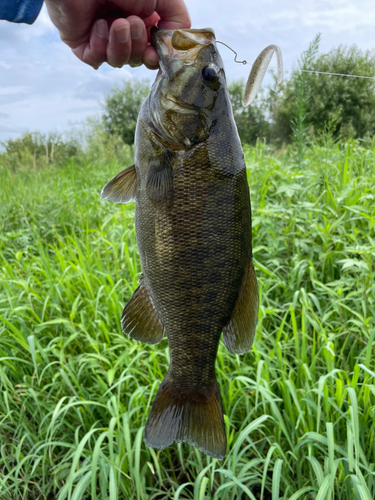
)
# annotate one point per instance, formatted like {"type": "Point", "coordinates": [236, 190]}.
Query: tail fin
{"type": "Point", "coordinates": [198, 421]}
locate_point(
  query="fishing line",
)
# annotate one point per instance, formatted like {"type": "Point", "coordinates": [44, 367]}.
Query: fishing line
{"type": "Point", "coordinates": [260, 66]}
{"type": "Point", "coordinates": [335, 74]}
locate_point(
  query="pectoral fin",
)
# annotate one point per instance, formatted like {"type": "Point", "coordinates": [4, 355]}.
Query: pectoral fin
{"type": "Point", "coordinates": [238, 334]}
{"type": "Point", "coordinates": [139, 318]}
{"type": "Point", "coordinates": [121, 189]}
{"type": "Point", "coordinates": [159, 185]}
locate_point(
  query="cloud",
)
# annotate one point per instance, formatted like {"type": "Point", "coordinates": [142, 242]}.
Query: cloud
{"type": "Point", "coordinates": [12, 33]}
{"type": "Point", "coordinates": [5, 65]}
{"type": "Point", "coordinates": [43, 86]}
{"type": "Point", "coordinates": [12, 94]}
{"type": "Point", "coordinates": [100, 84]}
{"type": "Point", "coordinates": [12, 98]}
{"type": "Point", "coordinates": [6, 129]}
{"type": "Point", "coordinates": [83, 109]}
{"type": "Point", "coordinates": [19, 89]}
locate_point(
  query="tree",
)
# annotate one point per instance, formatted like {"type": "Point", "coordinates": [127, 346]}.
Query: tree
{"type": "Point", "coordinates": [122, 105]}
{"type": "Point", "coordinates": [300, 124]}
{"type": "Point", "coordinates": [121, 109]}
{"type": "Point", "coordinates": [250, 120]}
{"type": "Point", "coordinates": [347, 102]}
{"type": "Point", "coordinates": [34, 149]}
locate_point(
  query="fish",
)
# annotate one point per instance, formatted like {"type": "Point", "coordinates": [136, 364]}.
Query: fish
{"type": "Point", "coordinates": [193, 230]}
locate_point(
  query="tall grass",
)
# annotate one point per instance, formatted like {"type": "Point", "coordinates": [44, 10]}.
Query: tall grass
{"type": "Point", "coordinates": [76, 392]}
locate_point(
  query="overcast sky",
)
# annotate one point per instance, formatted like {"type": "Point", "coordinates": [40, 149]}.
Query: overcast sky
{"type": "Point", "coordinates": [44, 87]}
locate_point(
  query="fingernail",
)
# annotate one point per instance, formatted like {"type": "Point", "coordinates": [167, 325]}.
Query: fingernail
{"type": "Point", "coordinates": [151, 62]}
{"type": "Point", "coordinates": [136, 30]}
{"type": "Point", "coordinates": [122, 33]}
{"type": "Point", "coordinates": [102, 28]}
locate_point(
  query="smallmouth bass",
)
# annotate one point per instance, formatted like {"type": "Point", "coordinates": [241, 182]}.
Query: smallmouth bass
{"type": "Point", "coordinates": [193, 228]}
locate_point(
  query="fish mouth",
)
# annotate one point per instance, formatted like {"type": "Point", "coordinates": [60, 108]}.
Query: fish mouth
{"type": "Point", "coordinates": [183, 44]}
{"type": "Point", "coordinates": [170, 104]}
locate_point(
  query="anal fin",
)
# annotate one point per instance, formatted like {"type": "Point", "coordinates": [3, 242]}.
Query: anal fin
{"type": "Point", "coordinates": [238, 334]}
{"type": "Point", "coordinates": [121, 189]}
{"type": "Point", "coordinates": [139, 318]}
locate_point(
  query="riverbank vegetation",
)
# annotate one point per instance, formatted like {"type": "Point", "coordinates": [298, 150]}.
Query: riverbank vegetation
{"type": "Point", "coordinates": [76, 392]}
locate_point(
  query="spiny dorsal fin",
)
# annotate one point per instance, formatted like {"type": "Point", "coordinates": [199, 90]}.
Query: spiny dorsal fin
{"type": "Point", "coordinates": [238, 334]}
{"type": "Point", "coordinates": [139, 318]}
{"type": "Point", "coordinates": [121, 189]}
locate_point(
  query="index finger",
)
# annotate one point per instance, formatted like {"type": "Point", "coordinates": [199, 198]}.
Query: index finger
{"type": "Point", "coordinates": [173, 14]}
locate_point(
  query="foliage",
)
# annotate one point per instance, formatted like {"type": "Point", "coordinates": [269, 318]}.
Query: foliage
{"type": "Point", "coordinates": [103, 148]}
{"type": "Point", "coordinates": [300, 125]}
{"type": "Point", "coordinates": [121, 108]}
{"type": "Point", "coordinates": [251, 121]}
{"type": "Point", "coordinates": [350, 102]}
{"type": "Point", "coordinates": [76, 392]}
{"type": "Point", "coordinates": [35, 150]}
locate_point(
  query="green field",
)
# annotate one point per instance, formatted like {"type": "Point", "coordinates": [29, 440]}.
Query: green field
{"type": "Point", "coordinates": [75, 392]}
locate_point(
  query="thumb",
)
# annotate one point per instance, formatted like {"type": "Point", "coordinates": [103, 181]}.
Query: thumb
{"type": "Point", "coordinates": [173, 14]}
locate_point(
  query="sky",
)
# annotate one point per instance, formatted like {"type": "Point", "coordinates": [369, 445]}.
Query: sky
{"type": "Point", "coordinates": [44, 87]}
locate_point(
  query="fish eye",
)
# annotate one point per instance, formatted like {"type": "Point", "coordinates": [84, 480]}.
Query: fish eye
{"type": "Point", "coordinates": [209, 74]}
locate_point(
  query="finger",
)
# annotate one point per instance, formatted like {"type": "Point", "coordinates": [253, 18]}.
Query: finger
{"type": "Point", "coordinates": [150, 58]}
{"type": "Point", "coordinates": [150, 22]}
{"type": "Point", "coordinates": [139, 8]}
{"type": "Point", "coordinates": [93, 52]}
{"type": "Point", "coordinates": [138, 35]}
{"type": "Point", "coordinates": [120, 44]}
{"type": "Point", "coordinates": [173, 14]}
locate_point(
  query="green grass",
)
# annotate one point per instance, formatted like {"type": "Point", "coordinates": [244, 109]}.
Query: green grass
{"type": "Point", "coordinates": [75, 392]}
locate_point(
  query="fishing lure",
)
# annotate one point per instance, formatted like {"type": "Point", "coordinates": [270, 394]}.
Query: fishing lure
{"type": "Point", "coordinates": [258, 70]}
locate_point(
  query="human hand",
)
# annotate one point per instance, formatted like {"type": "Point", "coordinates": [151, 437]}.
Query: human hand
{"type": "Point", "coordinates": [117, 31]}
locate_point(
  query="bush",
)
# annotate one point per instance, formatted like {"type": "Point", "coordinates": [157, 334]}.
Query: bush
{"type": "Point", "coordinates": [348, 102]}
{"type": "Point", "coordinates": [35, 150]}
{"type": "Point", "coordinates": [121, 109]}
{"type": "Point", "coordinates": [103, 148]}
{"type": "Point", "coordinates": [250, 120]}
